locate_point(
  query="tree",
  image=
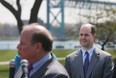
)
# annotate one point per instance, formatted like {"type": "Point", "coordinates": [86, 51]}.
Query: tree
{"type": "Point", "coordinates": [108, 26]}
{"type": "Point", "coordinates": [106, 32]}
{"type": "Point", "coordinates": [17, 13]}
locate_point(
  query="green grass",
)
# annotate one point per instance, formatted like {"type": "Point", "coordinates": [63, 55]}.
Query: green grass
{"type": "Point", "coordinates": [9, 38]}
{"type": "Point", "coordinates": [113, 53]}
{"type": "Point", "coordinates": [4, 71]}
{"type": "Point", "coordinates": [7, 55]}
{"type": "Point", "coordinates": [62, 53]}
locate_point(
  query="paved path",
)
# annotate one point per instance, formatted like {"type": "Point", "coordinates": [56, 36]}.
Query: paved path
{"type": "Point", "coordinates": [7, 62]}
{"type": "Point", "coordinates": [4, 63]}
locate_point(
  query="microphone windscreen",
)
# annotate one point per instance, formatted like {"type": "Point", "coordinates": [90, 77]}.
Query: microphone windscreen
{"type": "Point", "coordinates": [24, 62]}
{"type": "Point", "coordinates": [22, 70]}
{"type": "Point", "coordinates": [12, 63]}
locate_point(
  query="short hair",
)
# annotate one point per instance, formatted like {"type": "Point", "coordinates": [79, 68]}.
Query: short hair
{"type": "Point", "coordinates": [93, 29]}
{"type": "Point", "coordinates": [44, 39]}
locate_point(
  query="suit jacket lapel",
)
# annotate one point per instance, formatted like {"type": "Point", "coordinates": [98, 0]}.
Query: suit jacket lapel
{"type": "Point", "coordinates": [42, 70]}
{"type": "Point", "coordinates": [94, 60]}
{"type": "Point", "coordinates": [79, 63]}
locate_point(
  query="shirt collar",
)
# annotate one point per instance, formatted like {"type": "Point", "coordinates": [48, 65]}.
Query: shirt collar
{"type": "Point", "coordinates": [39, 63]}
{"type": "Point", "coordinates": [90, 51]}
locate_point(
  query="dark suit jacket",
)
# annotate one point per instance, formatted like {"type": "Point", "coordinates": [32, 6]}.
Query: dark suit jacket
{"type": "Point", "coordinates": [114, 72]}
{"type": "Point", "coordinates": [101, 65]}
{"type": "Point", "coordinates": [51, 69]}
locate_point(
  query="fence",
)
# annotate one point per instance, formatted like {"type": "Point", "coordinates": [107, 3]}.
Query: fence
{"type": "Point", "coordinates": [11, 45]}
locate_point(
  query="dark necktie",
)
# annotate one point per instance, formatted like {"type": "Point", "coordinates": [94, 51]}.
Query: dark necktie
{"type": "Point", "coordinates": [30, 67]}
{"type": "Point", "coordinates": [86, 64]}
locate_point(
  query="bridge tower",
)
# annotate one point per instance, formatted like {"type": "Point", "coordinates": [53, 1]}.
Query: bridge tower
{"type": "Point", "coordinates": [55, 16]}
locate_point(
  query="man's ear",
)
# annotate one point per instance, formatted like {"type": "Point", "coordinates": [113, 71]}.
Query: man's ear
{"type": "Point", "coordinates": [94, 35]}
{"type": "Point", "coordinates": [38, 46]}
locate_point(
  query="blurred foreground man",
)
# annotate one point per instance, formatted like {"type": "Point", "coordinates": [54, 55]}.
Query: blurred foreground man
{"type": "Point", "coordinates": [89, 61]}
{"type": "Point", "coordinates": [35, 46]}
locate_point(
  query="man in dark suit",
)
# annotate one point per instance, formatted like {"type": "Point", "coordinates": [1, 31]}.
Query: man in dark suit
{"type": "Point", "coordinates": [35, 46]}
{"type": "Point", "coordinates": [89, 61]}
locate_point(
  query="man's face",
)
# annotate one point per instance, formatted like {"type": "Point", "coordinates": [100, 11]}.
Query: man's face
{"type": "Point", "coordinates": [25, 48]}
{"type": "Point", "coordinates": [86, 38]}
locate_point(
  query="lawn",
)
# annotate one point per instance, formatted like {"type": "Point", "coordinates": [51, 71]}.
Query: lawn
{"type": "Point", "coordinates": [7, 55]}
{"type": "Point", "coordinates": [4, 69]}
{"type": "Point", "coordinates": [113, 53]}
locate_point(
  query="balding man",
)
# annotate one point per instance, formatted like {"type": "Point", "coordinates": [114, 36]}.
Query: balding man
{"type": "Point", "coordinates": [89, 61]}
{"type": "Point", "coordinates": [35, 46]}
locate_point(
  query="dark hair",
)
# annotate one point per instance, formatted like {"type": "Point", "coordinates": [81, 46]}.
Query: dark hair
{"type": "Point", "coordinates": [93, 29]}
{"type": "Point", "coordinates": [43, 39]}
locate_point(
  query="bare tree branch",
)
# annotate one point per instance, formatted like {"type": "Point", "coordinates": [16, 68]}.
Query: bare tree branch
{"type": "Point", "coordinates": [34, 11]}
{"type": "Point", "coordinates": [19, 8]}
{"type": "Point", "coordinates": [17, 13]}
{"type": "Point", "coordinates": [14, 12]}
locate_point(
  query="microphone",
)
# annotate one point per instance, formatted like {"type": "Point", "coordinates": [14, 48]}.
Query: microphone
{"type": "Point", "coordinates": [24, 65]}
{"type": "Point", "coordinates": [12, 68]}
